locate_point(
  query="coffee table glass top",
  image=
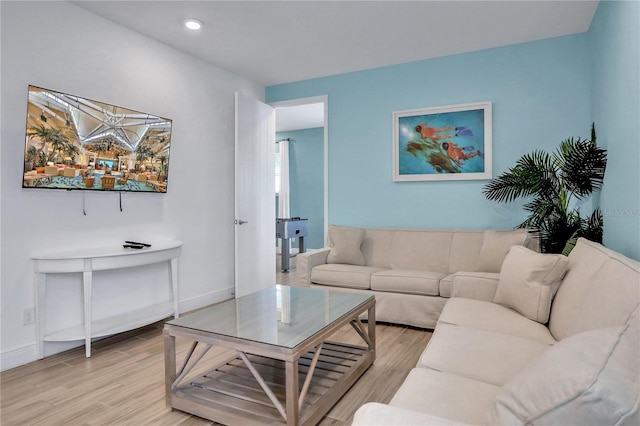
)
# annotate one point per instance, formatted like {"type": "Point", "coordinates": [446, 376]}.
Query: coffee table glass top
{"type": "Point", "coordinates": [280, 315]}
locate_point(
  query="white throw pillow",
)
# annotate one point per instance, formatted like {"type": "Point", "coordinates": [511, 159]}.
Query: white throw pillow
{"type": "Point", "coordinates": [590, 378]}
{"type": "Point", "coordinates": [346, 246]}
{"type": "Point", "coordinates": [495, 246]}
{"type": "Point", "coordinates": [529, 280]}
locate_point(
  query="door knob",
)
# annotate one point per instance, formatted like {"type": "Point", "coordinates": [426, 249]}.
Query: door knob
{"type": "Point", "coordinates": [241, 222]}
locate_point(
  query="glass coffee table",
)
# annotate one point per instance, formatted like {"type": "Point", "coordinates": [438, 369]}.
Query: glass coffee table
{"type": "Point", "coordinates": [284, 369]}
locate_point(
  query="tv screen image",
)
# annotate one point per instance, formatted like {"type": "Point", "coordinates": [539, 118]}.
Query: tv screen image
{"type": "Point", "coordinates": [75, 143]}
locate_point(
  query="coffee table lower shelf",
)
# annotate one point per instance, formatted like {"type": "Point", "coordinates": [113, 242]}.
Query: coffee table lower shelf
{"type": "Point", "coordinates": [230, 394]}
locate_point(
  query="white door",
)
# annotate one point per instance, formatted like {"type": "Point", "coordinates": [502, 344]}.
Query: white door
{"type": "Point", "coordinates": [255, 210]}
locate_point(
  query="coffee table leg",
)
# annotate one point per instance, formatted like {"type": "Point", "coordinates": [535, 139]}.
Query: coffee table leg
{"type": "Point", "coordinates": [169, 364]}
{"type": "Point", "coordinates": [371, 322]}
{"type": "Point", "coordinates": [293, 411]}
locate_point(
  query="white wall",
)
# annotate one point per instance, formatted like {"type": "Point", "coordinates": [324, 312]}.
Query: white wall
{"type": "Point", "coordinates": [61, 47]}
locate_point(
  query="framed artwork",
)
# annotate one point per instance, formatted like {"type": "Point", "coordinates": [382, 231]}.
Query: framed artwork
{"type": "Point", "coordinates": [442, 143]}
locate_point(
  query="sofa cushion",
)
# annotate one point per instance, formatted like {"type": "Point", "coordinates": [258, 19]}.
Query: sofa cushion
{"type": "Point", "coordinates": [376, 247]}
{"type": "Point", "coordinates": [346, 246]}
{"type": "Point", "coordinates": [465, 250]}
{"type": "Point", "coordinates": [493, 317]}
{"type": "Point", "coordinates": [422, 250]}
{"type": "Point", "coordinates": [401, 308]}
{"type": "Point", "coordinates": [407, 281]}
{"type": "Point", "coordinates": [495, 246]}
{"type": "Point", "coordinates": [588, 378]}
{"type": "Point", "coordinates": [529, 280]}
{"type": "Point", "coordinates": [472, 285]}
{"type": "Point", "coordinates": [340, 275]}
{"type": "Point", "coordinates": [446, 284]}
{"type": "Point", "coordinates": [477, 354]}
{"type": "Point", "coordinates": [375, 413]}
{"type": "Point", "coordinates": [445, 395]}
{"type": "Point", "coordinates": [601, 289]}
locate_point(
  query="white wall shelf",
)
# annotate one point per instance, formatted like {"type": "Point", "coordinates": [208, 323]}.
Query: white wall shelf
{"type": "Point", "coordinates": [87, 261]}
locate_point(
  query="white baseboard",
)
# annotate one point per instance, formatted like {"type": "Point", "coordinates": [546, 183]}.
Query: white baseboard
{"type": "Point", "coordinates": [19, 356]}
{"type": "Point", "coordinates": [206, 299]}
{"type": "Point", "coordinates": [26, 354]}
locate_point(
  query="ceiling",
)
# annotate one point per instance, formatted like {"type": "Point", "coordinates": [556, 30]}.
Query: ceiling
{"type": "Point", "coordinates": [275, 42]}
{"type": "Point", "coordinates": [299, 117]}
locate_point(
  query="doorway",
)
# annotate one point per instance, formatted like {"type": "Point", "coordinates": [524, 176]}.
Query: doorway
{"type": "Point", "coordinates": [302, 124]}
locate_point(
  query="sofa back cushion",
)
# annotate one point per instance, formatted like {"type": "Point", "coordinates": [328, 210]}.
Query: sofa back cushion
{"type": "Point", "coordinates": [465, 250]}
{"type": "Point", "coordinates": [601, 289]}
{"type": "Point", "coordinates": [588, 378]}
{"type": "Point", "coordinates": [376, 247]}
{"type": "Point", "coordinates": [495, 246]}
{"type": "Point", "coordinates": [421, 250]}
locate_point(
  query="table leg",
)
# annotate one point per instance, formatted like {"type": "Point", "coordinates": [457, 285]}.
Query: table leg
{"type": "Point", "coordinates": [285, 255]}
{"type": "Point", "coordinates": [174, 282]}
{"type": "Point", "coordinates": [371, 322]}
{"type": "Point", "coordinates": [40, 288]}
{"type": "Point", "coordinates": [293, 410]}
{"type": "Point", "coordinates": [87, 275]}
{"type": "Point", "coordinates": [169, 365]}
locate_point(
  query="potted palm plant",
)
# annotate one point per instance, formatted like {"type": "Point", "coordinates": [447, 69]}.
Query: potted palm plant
{"type": "Point", "coordinates": [553, 183]}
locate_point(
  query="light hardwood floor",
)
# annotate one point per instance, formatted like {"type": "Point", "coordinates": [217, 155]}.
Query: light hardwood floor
{"type": "Point", "coordinates": [123, 382]}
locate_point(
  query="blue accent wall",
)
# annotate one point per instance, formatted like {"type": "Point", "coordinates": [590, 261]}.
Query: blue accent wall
{"type": "Point", "coordinates": [542, 92]}
{"type": "Point", "coordinates": [615, 100]}
{"type": "Point", "coordinates": [540, 95]}
{"type": "Point", "coordinates": [306, 181]}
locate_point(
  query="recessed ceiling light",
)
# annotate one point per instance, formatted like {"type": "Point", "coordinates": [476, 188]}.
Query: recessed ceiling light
{"type": "Point", "coordinates": [193, 24]}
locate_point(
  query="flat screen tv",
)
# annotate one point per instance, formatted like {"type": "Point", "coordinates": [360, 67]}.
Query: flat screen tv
{"type": "Point", "coordinates": [75, 143]}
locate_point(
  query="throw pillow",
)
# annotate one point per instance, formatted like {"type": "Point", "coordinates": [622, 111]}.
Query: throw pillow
{"type": "Point", "coordinates": [529, 280]}
{"type": "Point", "coordinates": [346, 246]}
{"type": "Point", "coordinates": [495, 246]}
{"type": "Point", "coordinates": [588, 378]}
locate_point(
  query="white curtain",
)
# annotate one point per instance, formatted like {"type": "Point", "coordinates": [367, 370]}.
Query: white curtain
{"type": "Point", "coordinates": [283, 199]}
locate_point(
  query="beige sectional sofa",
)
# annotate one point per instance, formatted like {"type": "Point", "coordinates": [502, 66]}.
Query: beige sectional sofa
{"type": "Point", "coordinates": [412, 272]}
{"type": "Point", "coordinates": [501, 363]}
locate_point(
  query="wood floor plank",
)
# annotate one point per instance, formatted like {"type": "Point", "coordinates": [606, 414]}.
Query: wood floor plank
{"type": "Point", "coordinates": [123, 382]}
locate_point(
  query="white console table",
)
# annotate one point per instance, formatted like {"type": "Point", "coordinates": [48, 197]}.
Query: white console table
{"type": "Point", "coordinates": [87, 261]}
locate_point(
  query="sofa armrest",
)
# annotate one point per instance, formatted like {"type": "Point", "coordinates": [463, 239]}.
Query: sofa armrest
{"type": "Point", "coordinates": [475, 285]}
{"type": "Point", "coordinates": [305, 262]}
{"type": "Point", "coordinates": [374, 413]}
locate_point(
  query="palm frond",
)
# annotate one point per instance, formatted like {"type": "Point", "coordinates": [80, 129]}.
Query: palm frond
{"type": "Point", "coordinates": [582, 166]}
{"type": "Point", "coordinates": [531, 175]}
{"type": "Point", "coordinates": [592, 227]}
{"type": "Point", "coordinates": [540, 208]}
